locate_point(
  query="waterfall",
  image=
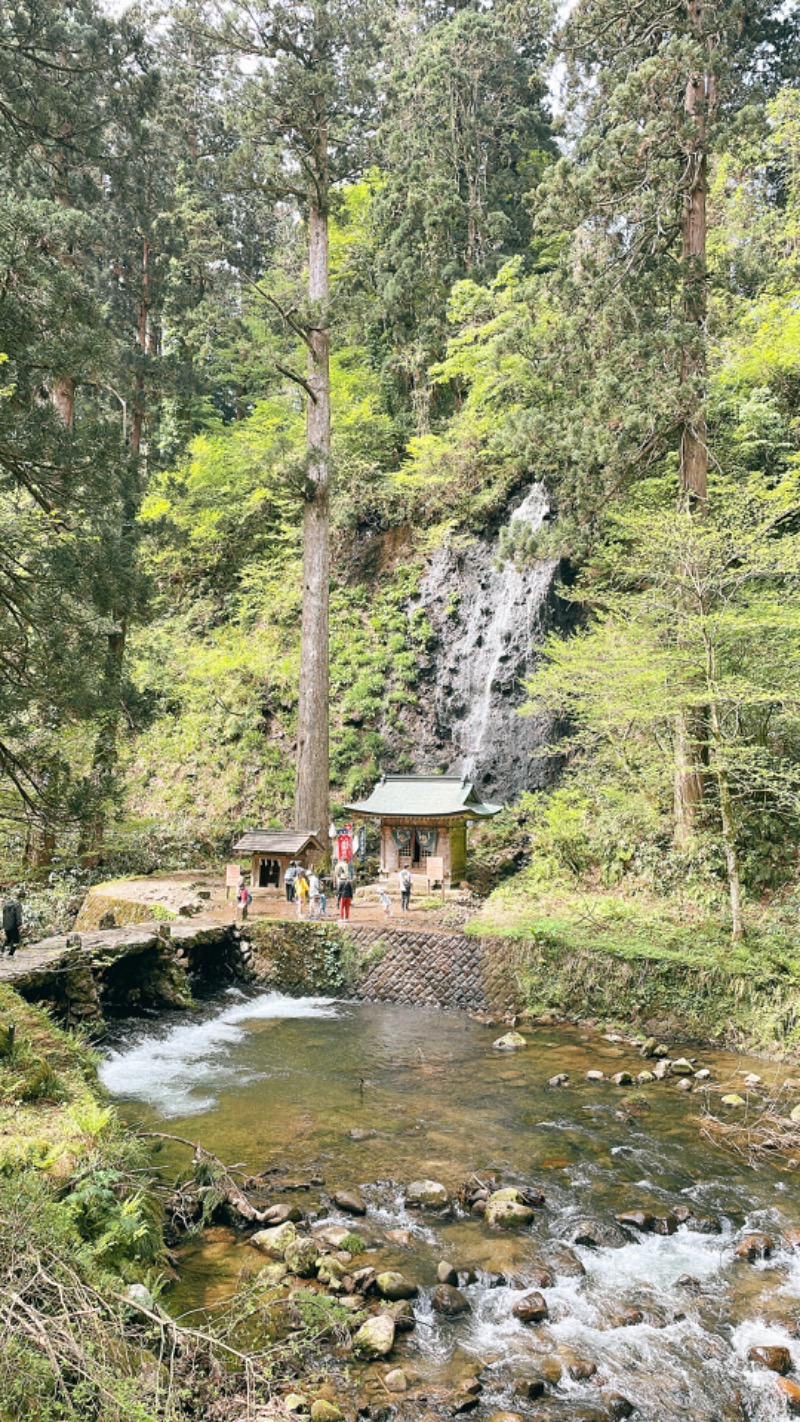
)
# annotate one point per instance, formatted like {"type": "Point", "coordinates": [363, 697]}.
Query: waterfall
{"type": "Point", "coordinates": [488, 624]}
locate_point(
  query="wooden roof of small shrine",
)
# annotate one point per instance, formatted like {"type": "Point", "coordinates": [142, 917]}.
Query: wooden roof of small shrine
{"type": "Point", "coordinates": [276, 842]}
{"type": "Point", "coordinates": [425, 797]}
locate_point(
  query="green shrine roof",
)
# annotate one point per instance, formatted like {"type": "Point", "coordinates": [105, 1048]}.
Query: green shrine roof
{"type": "Point", "coordinates": [418, 796]}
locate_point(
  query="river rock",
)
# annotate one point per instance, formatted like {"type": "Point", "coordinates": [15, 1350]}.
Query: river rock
{"type": "Point", "coordinates": [404, 1317]}
{"type": "Point", "coordinates": [628, 1318]}
{"type": "Point", "coordinates": [450, 1301]}
{"type": "Point", "coordinates": [403, 1237]}
{"type": "Point", "coordinates": [294, 1402]}
{"type": "Point", "coordinates": [506, 1417]}
{"type": "Point", "coordinates": [364, 1279]}
{"type": "Point", "coordinates": [643, 1078]}
{"type": "Point", "coordinates": [661, 1069]}
{"type": "Point", "coordinates": [140, 1297]}
{"type": "Point", "coordinates": [754, 1246]}
{"type": "Point", "coordinates": [528, 1387]}
{"type": "Point", "coordinates": [324, 1411]}
{"type": "Point", "coordinates": [792, 1237]}
{"type": "Point", "coordinates": [507, 1214]}
{"type": "Point", "coordinates": [648, 1048]}
{"type": "Point", "coordinates": [703, 1224]}
{"type": "Point", "coordinates": [791, 1395]}
{"type": "Point", "coordinates": [685, 1084]}
{"type": "Point", "coordinates": [560, 1079]}
{"type": "Point", "coordinates": [778, 1360]}
{"type": "Point", "coordinates": [427, 1195]}
{"type": "Point", "coordinates": [636, 1219]}
{"type": "Point", "coordinates": [550, 1368]}
{"type": "Point", "coordinates": [681, 1066]}
{"type": "Point", "coordinates": [446, 1274]}
{"type": "Point", "coordinates": [597, 1234]}
{"type": "Point", "coordinates": [393, 1286]}
{"type": "Point", "coordinates": [396, 1380]}
{"type": "Point", "coordinates": [362, 1133]}
{"type": "Point", "coordinates": [275, 1240]}
{"type": "Point", "coordinates": [752, 1080]}
{"type": "Point", "coordinates": [331, 1272]}
{"type": "Point", "coordinates": [350, 1201]}
{"type": "Point", "coordinates": [279, 1214]}
{"type": "Point", "coordinates": [595, 1075]}
{"type": "Point", "coordinates": [732, 1098]}
{"type": "Point", "coordinates": [682, 1213]}
{"type": "Point", "coordinates": [703, 1074]}
{"type": "Point", "coordinates": [665, 1224]}
{"type": "Point", "coordinates": [510, 1042]}
{"type": "Point", "coordinates": [616, 1407]}
{"type": "Point", "coordinates": [531, 1308]}
{"type": "Point", "coordinates": [332, 1236]}
{"type": "Point", "coordinates": [300, 1256]}
{"type": "Point", "coordinates": [375, 1338]}
{"type": "Point", "coordinates": [794, 1114]}
{"type": "Point", "coordinates": [581, 1370]}
{"type": "Point", "coordinates": [622, 1078]}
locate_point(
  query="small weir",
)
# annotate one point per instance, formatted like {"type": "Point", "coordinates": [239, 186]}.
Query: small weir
{"type": "Point", "coordinates": [373, 1097]}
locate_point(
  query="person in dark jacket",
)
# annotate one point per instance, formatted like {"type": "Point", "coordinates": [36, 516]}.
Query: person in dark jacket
{"type": "Point", "coordinates": [344, 894]}
{"type": "Point", "coordinates": [12, 925]}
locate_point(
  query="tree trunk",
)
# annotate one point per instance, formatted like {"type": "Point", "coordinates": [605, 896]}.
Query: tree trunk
{"type": "Point", "coordinates": [728, 823]}
{"type": "Point", "coordinates": [311, 793]}
{"type": "Point", "coordinates": [689, 790]}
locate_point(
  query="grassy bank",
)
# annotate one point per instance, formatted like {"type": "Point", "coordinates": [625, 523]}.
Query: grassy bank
{"type": "Point", "coordinates": [664, 964]}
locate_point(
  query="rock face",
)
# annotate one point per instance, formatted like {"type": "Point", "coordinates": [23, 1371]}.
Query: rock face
{"type": "Point", "coordinates": [375, 1338]}
{"type": "Point", "coordinates": [427, 1195]}
{"type": "Point", "coordinates": [487, 625]}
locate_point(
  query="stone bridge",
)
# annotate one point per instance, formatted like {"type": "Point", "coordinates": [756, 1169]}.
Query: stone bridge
{"type": "Point", "coordinates": [86, 977]}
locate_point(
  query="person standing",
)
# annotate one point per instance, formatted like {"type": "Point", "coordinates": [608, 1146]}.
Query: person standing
{"type": "Point", "coordinates": [289, 881]}
{"type": "Point", "coordinates": [344, 894]}
{"type": "Point", "coordinates": [301, 892]}
{"type": "Point", "coordinates": [313, 895]}
{"type": "Point", "coordinates": [386, 903]}
{"type": "Point", "coordinates": [12, 925]}
{"type": "Point", "coordinates": [405, 890]}
{"type": "Point", "coordinates": [245, 898]}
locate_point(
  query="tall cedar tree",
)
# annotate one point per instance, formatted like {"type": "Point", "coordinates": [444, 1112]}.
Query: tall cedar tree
{"type": "Point", "coordinates": [67, 78]}
{"type": "Point", "coordinates": [302, 96]}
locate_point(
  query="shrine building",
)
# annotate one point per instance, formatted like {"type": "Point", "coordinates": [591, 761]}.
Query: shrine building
{"type": "Point", "coordinates": [423, 823]}
{"type": "Point", "coordinates": [272, 851]}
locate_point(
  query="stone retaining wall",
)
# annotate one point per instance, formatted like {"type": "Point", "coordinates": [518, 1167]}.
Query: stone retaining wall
{"type": "Point", "coordinates": [386, 964]}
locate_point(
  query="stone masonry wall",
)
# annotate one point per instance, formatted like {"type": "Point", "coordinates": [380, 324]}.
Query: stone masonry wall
{"type": "Point", "coordinates": [377, 964]}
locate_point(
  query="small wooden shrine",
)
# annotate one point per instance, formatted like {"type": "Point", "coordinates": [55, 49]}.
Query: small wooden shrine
{"type": "Point", "coordinates": [423, 823]}
{"type": "Point", "coordinates": [272, 851]}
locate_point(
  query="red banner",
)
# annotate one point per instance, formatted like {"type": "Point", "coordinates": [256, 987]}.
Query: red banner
{"type": "Point", "coordinates": [344, 847]}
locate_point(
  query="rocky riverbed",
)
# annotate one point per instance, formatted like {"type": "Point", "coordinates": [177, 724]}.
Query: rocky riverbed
{"type": "Point", "coordinates": [498, 1222]}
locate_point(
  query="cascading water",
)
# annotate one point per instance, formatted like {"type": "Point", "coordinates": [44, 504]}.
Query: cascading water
{"type": "Point", "coordinates": [337, 1095]}
{"type": "Point", "coordinates": [488, 623]}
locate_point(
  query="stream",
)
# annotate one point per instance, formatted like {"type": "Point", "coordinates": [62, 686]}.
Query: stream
{"type": "Point", "coordinates": [375, 1097]}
